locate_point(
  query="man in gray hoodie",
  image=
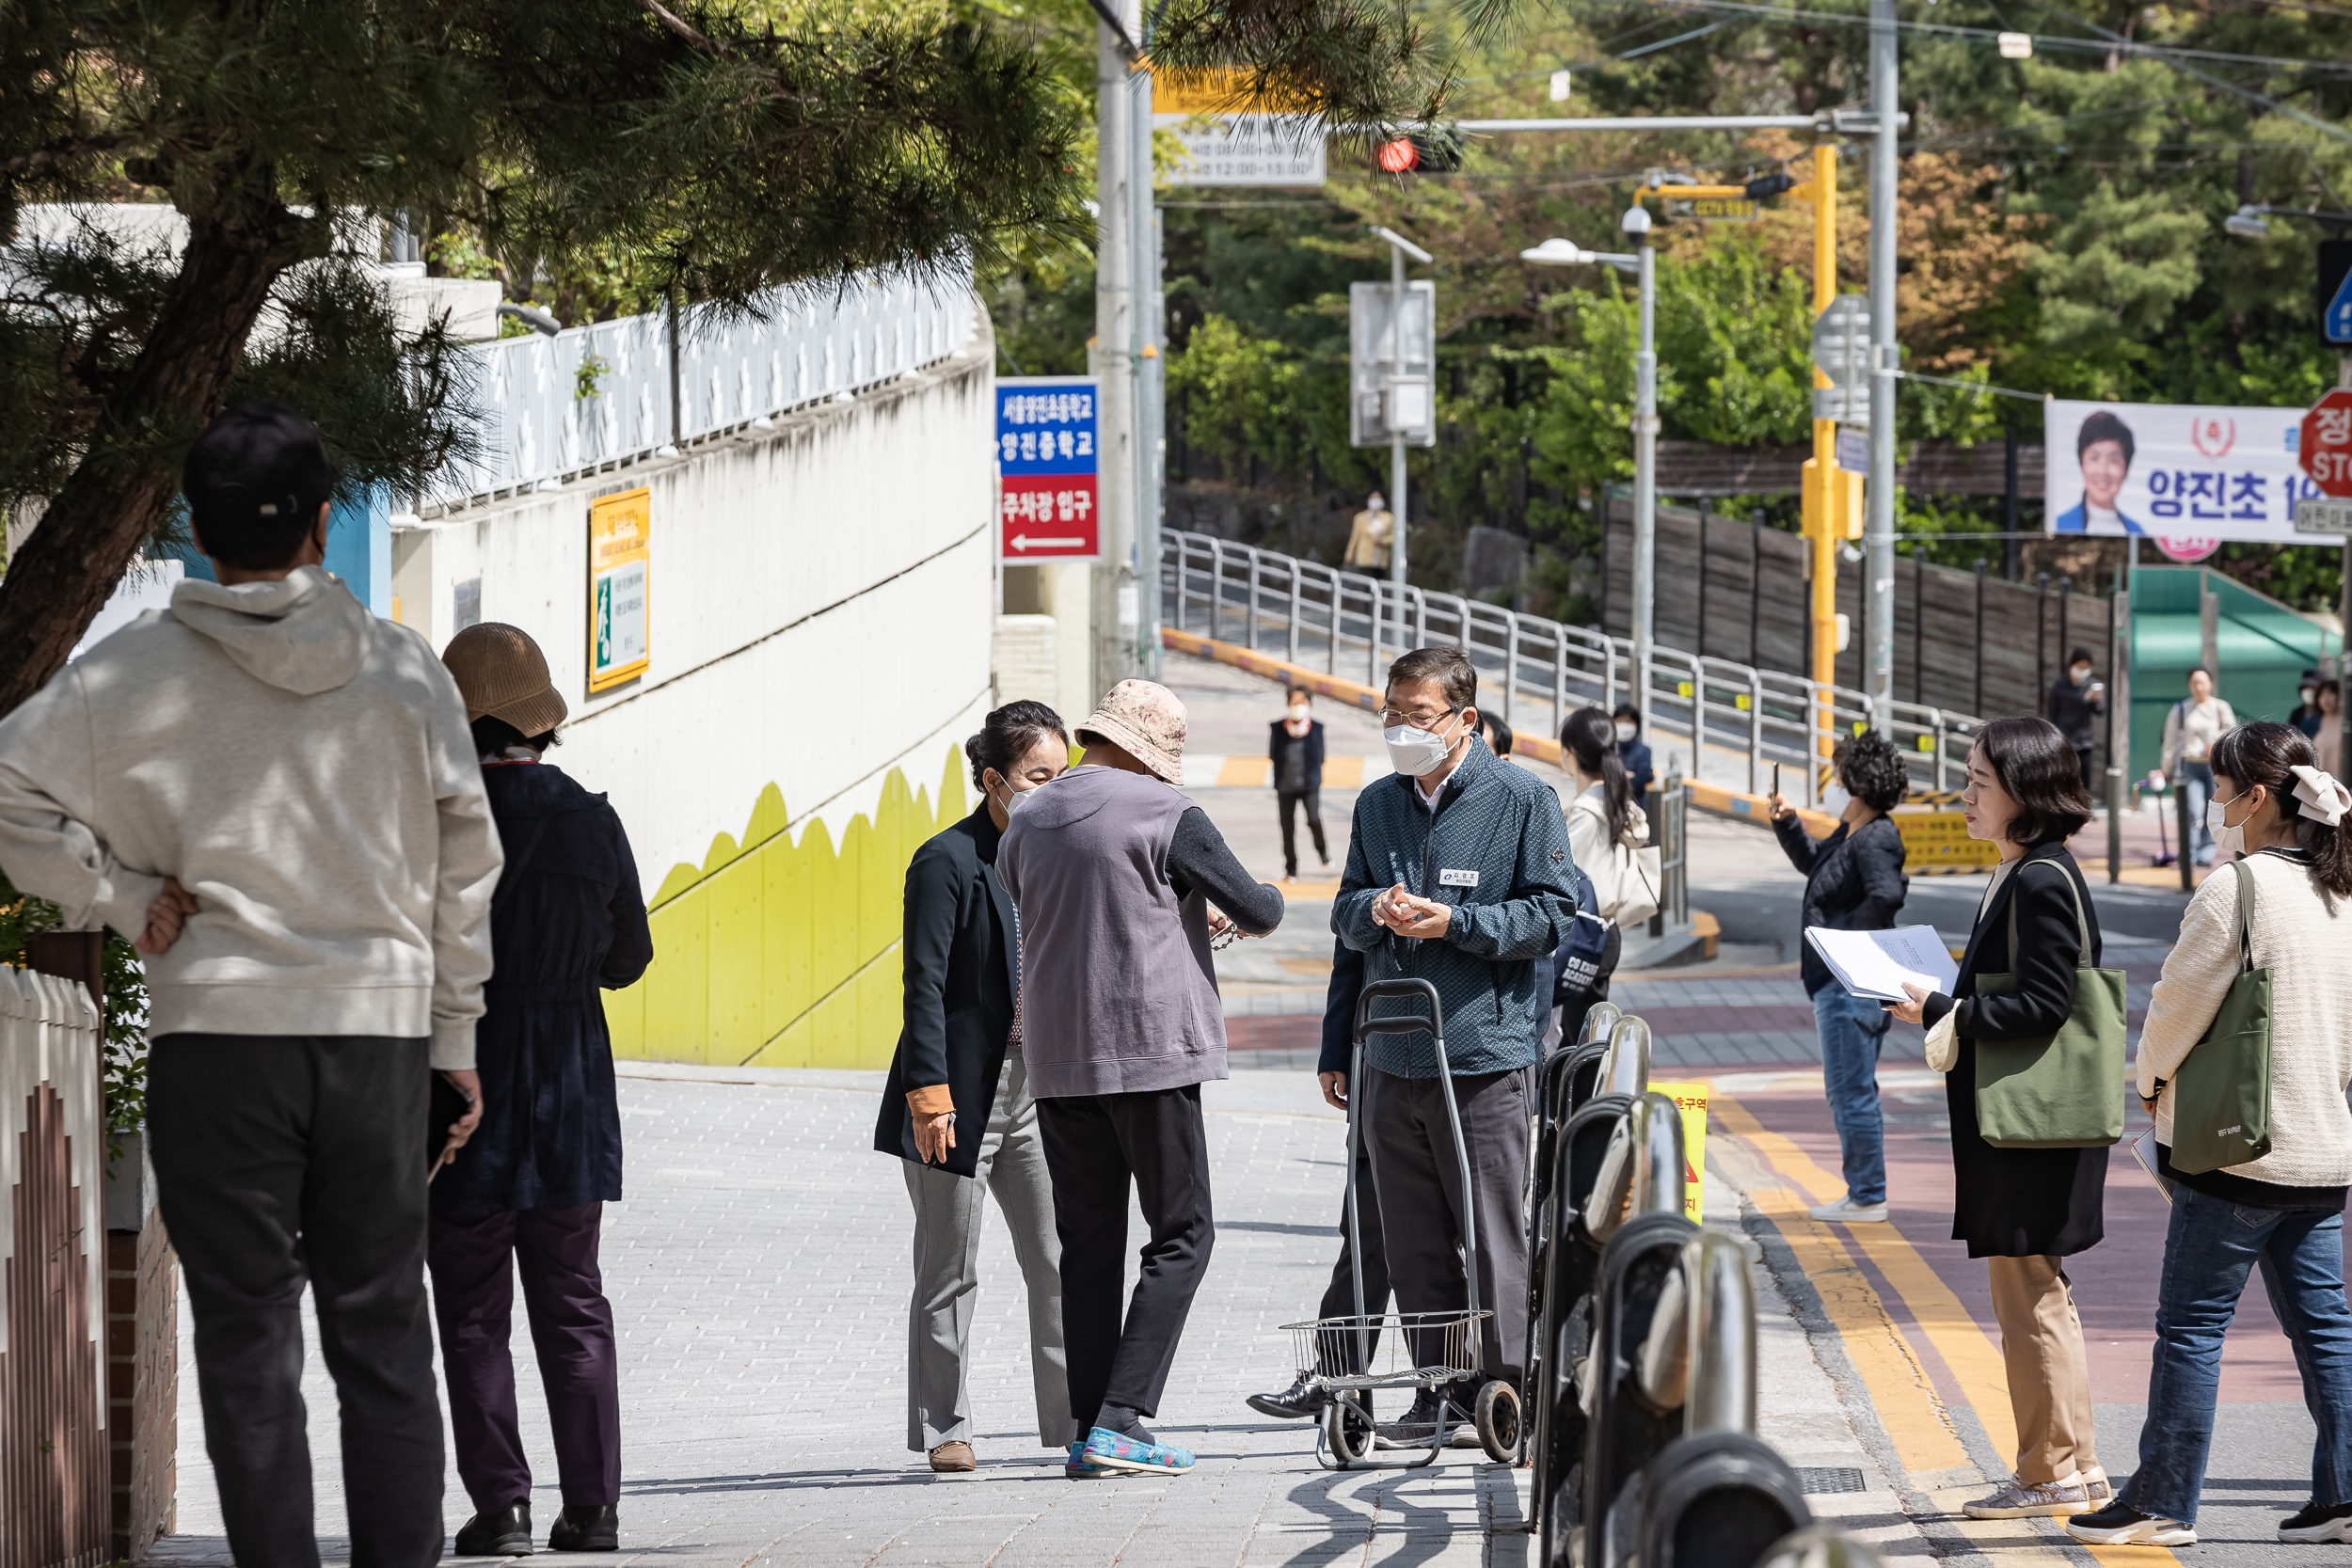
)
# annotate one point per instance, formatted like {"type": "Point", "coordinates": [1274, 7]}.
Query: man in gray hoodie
{"type": "Point", "coordinates": [277, 793]}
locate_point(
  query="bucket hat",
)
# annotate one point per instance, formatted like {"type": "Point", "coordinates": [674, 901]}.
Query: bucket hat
{"type": "Point", "coordinates": [502, 673]}
{"type": "Point", "coordinates": [1146, 721]}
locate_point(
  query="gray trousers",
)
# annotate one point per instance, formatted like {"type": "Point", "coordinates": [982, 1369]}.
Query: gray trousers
{"type": "Point", "coordinates": [1421, 1203]}
{"type": "Point", "coordinates": [947, 1210]}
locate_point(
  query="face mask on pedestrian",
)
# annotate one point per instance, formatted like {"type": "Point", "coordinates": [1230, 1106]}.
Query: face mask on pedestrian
{"type": "Point", "coordinates": [1006, 796]}
{"type": "Point", "coordinates": [2227, 840]}
{"type": "Point", "coordinates": [1626, 732]}
{"type": "Point", "coordinates": [1298, 713]}
{"type": "Point", "coordinates": [2081, 674]}
{"type": "Point", "coordinates": [1415, 752]}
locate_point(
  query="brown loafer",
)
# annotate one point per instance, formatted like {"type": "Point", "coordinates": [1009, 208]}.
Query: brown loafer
{"type": "Point", "coordinates": [951, 1459]}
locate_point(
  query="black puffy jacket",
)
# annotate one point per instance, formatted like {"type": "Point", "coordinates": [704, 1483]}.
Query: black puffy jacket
{"type": "Point", "coordinates": [1854, 881]}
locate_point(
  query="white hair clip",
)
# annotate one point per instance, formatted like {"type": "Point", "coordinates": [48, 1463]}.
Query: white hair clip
{"type": "Point", "coordinates": [2321, 796]}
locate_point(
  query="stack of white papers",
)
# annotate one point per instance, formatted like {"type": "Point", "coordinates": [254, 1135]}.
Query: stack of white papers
{"type": "Point", "coordinates": [1878, 963]}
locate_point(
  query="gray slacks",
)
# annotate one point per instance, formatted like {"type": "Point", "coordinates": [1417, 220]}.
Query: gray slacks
{"type": "Point", "coordinates": [1421, 1203]}
{"type": "Point", "coordinates": [948, 1211]}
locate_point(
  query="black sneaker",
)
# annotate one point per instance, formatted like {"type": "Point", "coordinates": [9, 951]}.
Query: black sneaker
{"type": "Point", "coordinates": [586, 1530]}
{"type": "Point", "coordinates": [2330, 1522]}
{"type": "Point", "coordinates": [2119, 1523]}
{"type": "Point", "coordinates": [505, 1533]}
{"type": "Point", "coordinates": [1301, 1402]}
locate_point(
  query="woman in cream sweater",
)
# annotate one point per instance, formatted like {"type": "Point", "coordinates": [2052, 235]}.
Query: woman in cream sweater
{"type": "Point", "coordinates": [2285, 1210]}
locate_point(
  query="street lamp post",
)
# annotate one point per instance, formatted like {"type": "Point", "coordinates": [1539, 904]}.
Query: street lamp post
{"type": "Point", "coordinates": [1643, 263]}
{"type": "Point", "coordinates": [1878, 567]}
{"type": "Point", "coordinates": [1399, 248]}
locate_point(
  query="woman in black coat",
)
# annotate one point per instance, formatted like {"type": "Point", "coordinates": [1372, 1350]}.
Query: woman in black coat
{"type": "Point", "coordinates": [2026, 1209]}
{"type": "Point", "coordinates": [531, 1186]}
{"type": "Point", "coordinates": [957, 1106]}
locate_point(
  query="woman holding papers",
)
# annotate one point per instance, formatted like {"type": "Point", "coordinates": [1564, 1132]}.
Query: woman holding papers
{"type": "Point", "coordinates": [2026, 1209]}
{"type": "Point", "coordinates": [1854, 881]}
{"type": "Point", "coordinates": [2282, 1208]}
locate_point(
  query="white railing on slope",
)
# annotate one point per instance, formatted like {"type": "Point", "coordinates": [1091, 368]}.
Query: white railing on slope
{"type": "Point", "coordinates": [1739, 721]}
{"type": "Point", "coordinates": [598, 397]}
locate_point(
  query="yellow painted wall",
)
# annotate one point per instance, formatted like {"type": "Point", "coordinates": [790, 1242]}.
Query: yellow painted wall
{"type": "Point", "coordinates": [777, 954]}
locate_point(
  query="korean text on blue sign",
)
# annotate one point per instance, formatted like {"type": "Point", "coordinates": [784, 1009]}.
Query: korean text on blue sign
{"type": "Point", "coordinates": [1046, 429]}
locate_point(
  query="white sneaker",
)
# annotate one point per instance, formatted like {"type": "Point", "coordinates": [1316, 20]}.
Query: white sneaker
{"type": "Point", "coordinates": [1847, 1212]}
{"type": "Point", "coordinates": [2017, 1500]}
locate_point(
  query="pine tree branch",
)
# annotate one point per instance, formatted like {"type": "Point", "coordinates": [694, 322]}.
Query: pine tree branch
{"type": "Point", "coordinates": [672, 21]}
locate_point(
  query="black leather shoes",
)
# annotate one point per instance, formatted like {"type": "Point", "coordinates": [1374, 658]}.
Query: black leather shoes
{"type": "Point", "coordinates": [505, 1533]}
{"type": "Point", "coordinates": [1300, 1401]}
{"type": "Point", "coordinates": [586, 1530]}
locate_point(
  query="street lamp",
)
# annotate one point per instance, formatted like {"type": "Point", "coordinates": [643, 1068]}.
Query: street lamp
{"type": "Point", "coordinates": [1643, 263]}
{"type": "Point", "coordinates": [2249, 221]}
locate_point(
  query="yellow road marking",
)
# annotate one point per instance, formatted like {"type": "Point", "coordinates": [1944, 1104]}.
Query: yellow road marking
{"type": "Point", "coordinates": [1974, 1361]}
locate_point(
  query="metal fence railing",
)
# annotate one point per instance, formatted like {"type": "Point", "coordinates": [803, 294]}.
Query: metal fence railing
{"type": "Point", "coordinates": [1737, 721]}
{"type": "Point", "coordinates": [599, 397]}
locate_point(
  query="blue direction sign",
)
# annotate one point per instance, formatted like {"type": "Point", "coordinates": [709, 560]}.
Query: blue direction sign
{"type": "Point", "coordinates": [2335, 291]}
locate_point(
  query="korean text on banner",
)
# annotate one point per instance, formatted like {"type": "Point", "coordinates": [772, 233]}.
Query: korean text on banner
{"type": "Point", "coordinates": [1047, 462]}
{"type": "Point", "coordinates": [2187, 475]}
{"type": "Point", "coordinates": [1691, 1100]}
{"type": "Point", "coordinates": [620, 550]}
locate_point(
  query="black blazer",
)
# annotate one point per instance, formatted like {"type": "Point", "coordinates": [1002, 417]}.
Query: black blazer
{"type": "Point", "coordinates": [1277, 737]}
{"type": "Point", "coordinates": [2022, 1202]}
{"type": "Point", "coordinates": [963, 968]}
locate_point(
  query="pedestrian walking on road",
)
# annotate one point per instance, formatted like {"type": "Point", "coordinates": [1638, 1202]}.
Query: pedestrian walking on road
{"type": "Point", "coordinates": [1294, 742]}
{"type": "Point", "coordinates": [1607, 830]}
{"type": "Point", "coordinates": [1302, 1400]}
{"type": "Point", "coordinates": [1854, 881]}
{"type": "Point", "coordinates": [2025, 1211]}
{"type": "Point", "coordinates": [277, 793]}
{"type": "Point", "coordinates": [960, 1063]}
{"type": "Point", "coordinates": [1458, 873]}
{"type": "Point", "coordinates": [2283, 1211]}
{"type": "Point", "coordinates": [531, 1190]}
{"type": "Point", "coordinates": [2076, 703]}
{"type": "Point", "coordinates": [1368, 538]}
{"type": "Point", "coordinates": [1113, 872]}
{"type": "Point", "coordinates": [2191, 728]}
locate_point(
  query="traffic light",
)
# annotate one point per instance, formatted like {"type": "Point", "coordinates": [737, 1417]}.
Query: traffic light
{"type": "Point", "coordinates": [1433, 151]}
{"type": "Point", "coordinates": [1768, 185]}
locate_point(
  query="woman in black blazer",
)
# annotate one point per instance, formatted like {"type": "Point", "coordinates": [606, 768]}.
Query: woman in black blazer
{"type": "Point", "coordinates": [957, 1107]}
{"type": "Point", "coordinates": [2026, 1209]}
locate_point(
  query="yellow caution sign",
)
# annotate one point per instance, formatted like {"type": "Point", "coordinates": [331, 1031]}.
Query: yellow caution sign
{"type": "Point", "coordinates": [1935, 838]}
{"type": "Point", "coordinates": [1691, 1099]}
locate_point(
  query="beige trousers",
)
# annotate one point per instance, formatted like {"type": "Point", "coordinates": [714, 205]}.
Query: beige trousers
{"type": "Point", "coordinates": [2049, 1371]}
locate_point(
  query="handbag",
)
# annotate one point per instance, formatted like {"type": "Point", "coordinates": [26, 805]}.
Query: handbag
{"type": "Point", "coordinates": [2063, 1089]}
{"type": "Point", "coordinates": [2221, 1090]}
{"type": "Point", "coordinates": [1576, 964]}
{"type": "Point", "coordinates": [1640, 872]}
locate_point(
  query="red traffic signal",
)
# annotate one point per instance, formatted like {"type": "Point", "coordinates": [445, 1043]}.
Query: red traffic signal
{"type": "Point", "coordinates": [1421, 153]}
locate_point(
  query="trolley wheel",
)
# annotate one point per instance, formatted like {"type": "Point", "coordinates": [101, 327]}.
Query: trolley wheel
{"type": "Point", "coordinates": [1347, 1427]}
{"type": "Point", "coordinates": [1498, 1416]}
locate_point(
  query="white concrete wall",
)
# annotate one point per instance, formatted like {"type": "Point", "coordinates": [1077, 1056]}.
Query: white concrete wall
{"type": "Point", "coordinates": [820, 601]}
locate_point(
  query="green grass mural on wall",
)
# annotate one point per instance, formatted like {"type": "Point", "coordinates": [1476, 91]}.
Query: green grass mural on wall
{"type": "Point", "coordinates": [777, 954]}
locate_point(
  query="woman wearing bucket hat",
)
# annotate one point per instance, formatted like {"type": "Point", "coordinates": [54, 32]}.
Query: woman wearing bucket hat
{"type": "Point", "coordinates": [532, 1187]}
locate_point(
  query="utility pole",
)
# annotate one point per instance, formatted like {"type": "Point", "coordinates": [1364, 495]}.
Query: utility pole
{"type": "Point", "coordinates": [1144, 216]}
{"type": "Point", "coordinates": [1113, 607]}
{"type": "Point", "coordinates": [1637, 223]}
{"type": "Point", "coordinates": [1397, 499]}
{"type": "Point", "coordinates": [1878, 567]}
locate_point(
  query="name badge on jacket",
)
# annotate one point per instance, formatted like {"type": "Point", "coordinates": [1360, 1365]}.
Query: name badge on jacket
{"type": "Point", "coordinates": [1457, 878]}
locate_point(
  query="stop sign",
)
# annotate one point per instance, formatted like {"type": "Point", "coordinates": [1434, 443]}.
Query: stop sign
{"type": "Point", "coordinates": [2324, 446]}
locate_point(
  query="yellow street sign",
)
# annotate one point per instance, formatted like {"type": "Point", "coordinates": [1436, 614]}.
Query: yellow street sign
{"type": "Point", "coordinates": [1224, 91]}
{"type": "Point", "coordinates": [1713, 208]}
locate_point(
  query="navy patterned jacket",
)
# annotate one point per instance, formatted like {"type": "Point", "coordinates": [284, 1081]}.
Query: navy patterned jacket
{"type": "Point", "coordinates": [1497, 849]}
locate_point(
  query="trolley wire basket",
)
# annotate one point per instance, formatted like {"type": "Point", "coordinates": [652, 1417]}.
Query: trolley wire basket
{"type": "Point", "coordinates": [1332, 1351]}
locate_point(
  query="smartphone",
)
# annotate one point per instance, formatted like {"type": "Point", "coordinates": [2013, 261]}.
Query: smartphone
{"type": "Point", "coordinates": [1775, 778]}
{"type": "Point", "coordinates": [446, 1105]}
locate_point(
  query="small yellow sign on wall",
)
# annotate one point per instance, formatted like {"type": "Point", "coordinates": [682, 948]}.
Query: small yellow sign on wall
{"type": "Point", "coordinates": [1691, 1099]}
{"type": "Point", "coordinates": [620, 550]}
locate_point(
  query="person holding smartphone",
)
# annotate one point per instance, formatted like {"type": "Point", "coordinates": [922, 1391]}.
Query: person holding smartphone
{"type": "Point", "coordinates": [2076, 703]}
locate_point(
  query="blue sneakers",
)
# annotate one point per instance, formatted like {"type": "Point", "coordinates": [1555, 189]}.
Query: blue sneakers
{"type": "Point", "coordinates": [1105, 1450]}
{"type": "Point", "coordinates": [1076, 1469]}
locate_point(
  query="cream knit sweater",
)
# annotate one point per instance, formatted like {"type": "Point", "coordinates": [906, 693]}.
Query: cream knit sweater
{"type": "Point", "coordinates": [2308, 954]}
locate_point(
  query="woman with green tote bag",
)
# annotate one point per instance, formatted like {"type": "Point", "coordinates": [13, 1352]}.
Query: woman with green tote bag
{"type": "Point", "coordinates": [2026, 1209]}
{"type": "Point", "coordinates": [2245, 1054]}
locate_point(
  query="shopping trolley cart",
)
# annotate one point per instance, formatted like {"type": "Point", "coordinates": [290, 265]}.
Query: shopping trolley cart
{"type": "Point", "coordinates": [1348, 1358]}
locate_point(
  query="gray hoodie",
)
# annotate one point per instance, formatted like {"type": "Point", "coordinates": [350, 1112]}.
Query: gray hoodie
{"type": "Point", "coordinates": [305, 772]}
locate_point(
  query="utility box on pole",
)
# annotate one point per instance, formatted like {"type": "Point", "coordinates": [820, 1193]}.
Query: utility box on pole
{"type": "Point", "coordinates": [1391, 384]}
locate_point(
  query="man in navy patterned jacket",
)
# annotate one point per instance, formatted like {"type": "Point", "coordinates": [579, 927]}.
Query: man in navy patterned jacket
{"type": "Point", "coordinates": [1457, 873]}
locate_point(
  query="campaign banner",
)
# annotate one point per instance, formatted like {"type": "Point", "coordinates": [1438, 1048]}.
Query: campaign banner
{"type": "Point", "coordinates": [2184, 475]}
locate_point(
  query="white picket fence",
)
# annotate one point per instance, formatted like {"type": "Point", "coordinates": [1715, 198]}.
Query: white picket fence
{"type": "Point", "coordinates": [598, 397]}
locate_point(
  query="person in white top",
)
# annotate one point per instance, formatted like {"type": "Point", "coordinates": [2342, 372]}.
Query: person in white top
{"type": "Point", "coordinates": [2189, 731]}
{"type": "Point", "coordinates": [2282, 1212]}
{"type": "Point", "coordinates": [1605, 831]}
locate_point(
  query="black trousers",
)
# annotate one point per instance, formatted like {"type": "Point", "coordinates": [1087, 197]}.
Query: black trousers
{"type": "Point", "coordinates": [1422, 1202]}
{"type": "Point", "coordinates": [2082, 755]}
{"type": "Point", "coordinates": [282, 1161]}
{"type": "Point", "coordinates": [1339, 1297]}
{"type": "Point", "coordinates": [1289, 801]}
{"type": "Point", "coordinates": [1094, 1145]}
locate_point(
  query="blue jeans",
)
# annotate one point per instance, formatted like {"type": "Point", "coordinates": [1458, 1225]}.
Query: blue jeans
{"type": "Point", "coordinates": [2196, 781]}
{"type": "Point", "coordinates": [2211, 1248]}
{"type": "Point", "coordinates": [1852, 1027]}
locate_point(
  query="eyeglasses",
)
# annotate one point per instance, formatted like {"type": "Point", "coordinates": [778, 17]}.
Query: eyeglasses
{"type": "Point", "coordinates": [1390, 718]}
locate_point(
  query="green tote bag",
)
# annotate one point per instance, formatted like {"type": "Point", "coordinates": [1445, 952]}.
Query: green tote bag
{"type": "Point", "coordinates": [2060, 1091]}
{"type": "Point", "coordinates": [2221, 1090]}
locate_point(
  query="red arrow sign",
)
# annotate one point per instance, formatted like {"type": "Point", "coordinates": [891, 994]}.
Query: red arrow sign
{"type": "Point", "coordinates": [2324, 446]}
{"type": "Point", "coordinates": [1047, 518]}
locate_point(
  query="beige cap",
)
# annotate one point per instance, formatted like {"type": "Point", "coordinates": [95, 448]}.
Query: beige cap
{"type": "Point", "coordinates": [502, 674]}
{"type": "Point", "coordinates": [1146, 721]}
